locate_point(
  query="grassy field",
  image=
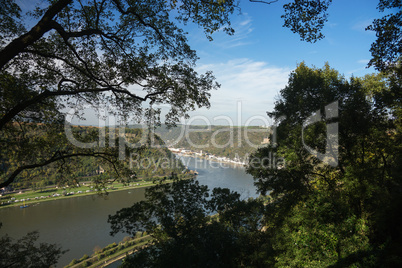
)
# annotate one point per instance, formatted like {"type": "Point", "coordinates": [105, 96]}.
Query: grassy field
{"type": "Point", "coordinates": [32, 197]}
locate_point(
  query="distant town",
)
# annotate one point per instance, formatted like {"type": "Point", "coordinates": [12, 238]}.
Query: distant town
{"type": "Point", "coordinates": [201, 154]}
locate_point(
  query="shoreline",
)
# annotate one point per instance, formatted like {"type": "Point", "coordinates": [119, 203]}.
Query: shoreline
{"type": "Point", "coordinates": [77, 192]}
{"type": "Point", "coordinates": [31, 197]}
{"type": "Point", "coordinates": [220, 162]}
{"type": "Point", "coordinates": [207, 156]}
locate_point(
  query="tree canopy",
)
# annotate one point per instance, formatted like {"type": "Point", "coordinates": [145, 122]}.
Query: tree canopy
{"type": "Point", "coordinates": [24, 252]}
{"type": "Point", "coordinates": [319, 213]}
{"type": "Point", "coordinates": [334, 214]}
{"type": "Point", "coordinates": [120, 55]}
{"type": "Point", "coordinates": [111, 54]}
{"type": "Point", "coordinates": [192, 226]}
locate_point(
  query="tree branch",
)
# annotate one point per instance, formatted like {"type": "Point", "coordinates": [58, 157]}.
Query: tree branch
{"type": "Point", "coordinates": [44, 25]}
{"type": "Point", "coordinates": [49, 161]}
{"type": "Point", "coordinates": [264, 2]}
{"type": "Point", "coordinates": [67, 35]}
{"type": "Point", "coordinates": [46, 94]}
{"type": "Point", "coordinates": [140, 19]}
{"type": "Point", "coordinates": [86, 72]}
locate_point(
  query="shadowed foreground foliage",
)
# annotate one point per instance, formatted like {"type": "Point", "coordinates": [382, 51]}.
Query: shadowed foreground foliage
{"type": "Point", "coordinates": [26, 252]}
{"type": "Point", "coordinates": [341, 209]}
{"type": "Point", "coordinates": [180, 218]}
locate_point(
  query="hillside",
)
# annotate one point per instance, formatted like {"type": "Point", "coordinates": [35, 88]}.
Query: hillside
{"type": "Point", "coordinates": [234, 142]}
{"type": "Point", "coordinates": [143, 161]}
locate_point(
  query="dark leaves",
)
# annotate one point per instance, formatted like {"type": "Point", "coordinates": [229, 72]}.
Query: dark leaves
{"type": "Point", "coordinates": [306, 18]}
{"type": "Point", "coordinates": [27, 253]}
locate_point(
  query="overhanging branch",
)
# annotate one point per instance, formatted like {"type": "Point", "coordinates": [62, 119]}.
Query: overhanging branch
{"type": "Point", "coordinates": [16, 172]}
{"type": "Point", "coordinates": [46, 94]}
{"type": "Point", "coordinates": [264, 2]}
{"type": "Point", "coordinates": [44, 25]}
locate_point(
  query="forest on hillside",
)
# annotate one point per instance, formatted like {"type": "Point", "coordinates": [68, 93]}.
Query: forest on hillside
{"type": "Point", "coordinates": [145, 162]}
{"type": "Point", "coordinates": [225, 141]}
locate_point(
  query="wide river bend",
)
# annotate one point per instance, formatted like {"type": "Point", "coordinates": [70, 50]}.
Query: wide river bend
{"type": "Point", "coordinates": [80, 223]}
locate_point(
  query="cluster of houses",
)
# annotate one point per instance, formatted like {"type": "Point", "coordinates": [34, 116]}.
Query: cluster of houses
{"type": "Point", "coordinates": [181, 151]}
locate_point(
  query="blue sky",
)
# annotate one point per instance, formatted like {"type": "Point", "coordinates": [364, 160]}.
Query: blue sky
{"type": "Point", "coordinates": [254, 64]}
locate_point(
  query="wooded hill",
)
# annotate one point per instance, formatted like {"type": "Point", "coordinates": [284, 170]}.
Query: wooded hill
{"type": "Point", "coordinates": [224, 141]}
{"type": "Point", "coordinates": [142, 161]}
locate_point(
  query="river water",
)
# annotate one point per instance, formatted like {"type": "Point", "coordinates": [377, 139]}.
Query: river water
{"type": "Point", "coordinates": [80, 224]}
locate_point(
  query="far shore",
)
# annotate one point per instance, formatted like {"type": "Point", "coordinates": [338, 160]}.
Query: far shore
{"type": "Point", "coordinates": [31, 197]}
{"type": "Point", "coordinates": [215, 160]}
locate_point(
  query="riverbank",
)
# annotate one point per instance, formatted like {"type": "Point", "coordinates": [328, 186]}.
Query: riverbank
{"type": "Point", "coordinates": [112, 253]}
{"type": "Point", "coordinates": [220, 163]}
{"type": "Point", "coordinates": [80, 224]}
{"type": "Point", "coordinates": [32, 198]}
{"type": "Point", "coordinates": [208, 156]}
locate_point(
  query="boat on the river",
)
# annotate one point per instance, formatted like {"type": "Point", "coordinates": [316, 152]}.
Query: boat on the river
{"type": "Point", "coordinates": [24, 205]}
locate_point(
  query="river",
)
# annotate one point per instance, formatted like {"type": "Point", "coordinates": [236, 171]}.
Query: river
{"type": "Point", "coordinates": [80, 223]}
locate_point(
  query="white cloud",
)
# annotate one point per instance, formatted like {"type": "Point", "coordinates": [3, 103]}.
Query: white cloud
{"type": "Point", "coordinates": [254, 85]}
{"type": "Point", "coordinates": [248, 90]}
{"type": "Point", "coordinates": [245, 22]}
{"type": "Point", "coordinates": [243, 29]}
{"type": "Point", "coordinates": [361, 25]}
{"type": "Point", "coordinates": [364, 61]}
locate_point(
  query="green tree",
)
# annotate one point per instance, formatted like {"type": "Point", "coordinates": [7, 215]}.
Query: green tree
{"type": "Point", "coordinates": [344, 210]}
{"type": "Point", "coordinates": [94, 52]}
{"type": "Point", "coordinates": [24, 252]}
{"type": "Point", "coordinates": [186, 234]}
{"type": "Point", "coordinates": [307, 18]}
{"type": "Point", "coordinates": [386, 50]}
{"type": "Point", "coordinates": [70, 53]}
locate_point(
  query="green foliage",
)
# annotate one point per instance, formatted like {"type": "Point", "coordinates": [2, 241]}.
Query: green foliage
{"type": "Point", "coordinates": [185, 235]}
{"type": "Point", "coordinates": [73, 262]}
{"type": "Point", "coordinates": [26, 253]}
{"type": "Point", "coordinates": [319, 232]}
{"type": "Point", "coordinates": [307, 18]}
{"type": "Point", "coordinates": [318, 215]}
{"type": "Point", "coordinates": [386, 50]}
{"type": "Point", "coordinates": [344, 214]}
{"type": "Point", "coordinates": [84, 258]}
{"type": "Point", "coordinates": [128, 238]}
{"type": "Point", "coordinates": [110, 246]}
{"type": "Point", "coordinates": [10, 23]}
{"type": "Point", "coordinates": [140, 162]}
{"type": "Point", "coordinates": [93, 54]}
